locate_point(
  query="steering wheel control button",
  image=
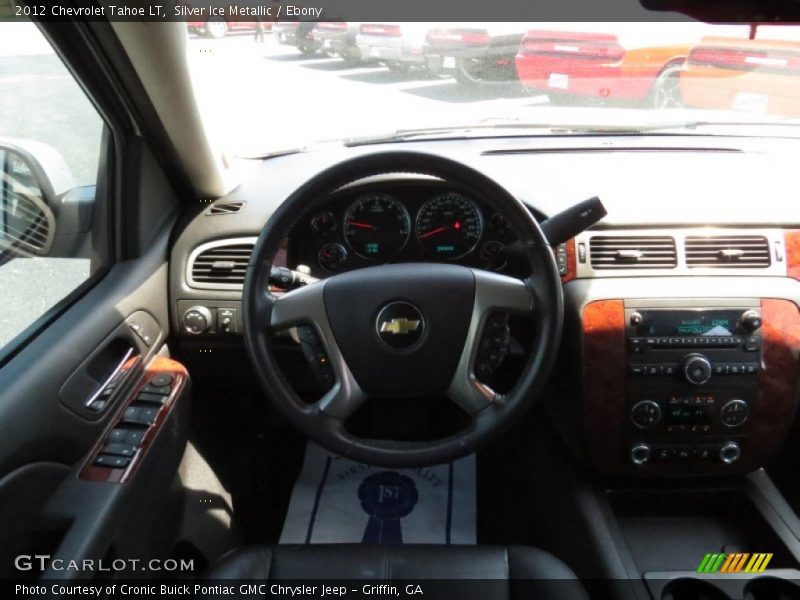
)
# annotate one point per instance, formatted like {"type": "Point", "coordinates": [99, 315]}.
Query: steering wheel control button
{"type": "Point", "coordinates": [197, 320]}
{"type": "Point", "coordinates": [730, 453]}
{"type": "Point", "coordinates": [315, 355]}
{"type": "Point", "coordinates": [640, 454]}
{"type": "Point", "coordinates": [735, 413]}
{"type": "Point", "coordinates": [400, 325]}
{"type": "Point", "coordinates": [493, 349]}
{"type": "Point", "coordinates": [697, 369]}
{"type": "Point", "coordinates": [646, 414]}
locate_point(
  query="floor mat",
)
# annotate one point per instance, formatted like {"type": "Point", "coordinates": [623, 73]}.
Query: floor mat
{"type": "Point", "coordinates": [336, 500]}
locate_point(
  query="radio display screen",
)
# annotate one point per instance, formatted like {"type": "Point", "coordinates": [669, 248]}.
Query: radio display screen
{"type": "Point", "coordinates": [687, 323]}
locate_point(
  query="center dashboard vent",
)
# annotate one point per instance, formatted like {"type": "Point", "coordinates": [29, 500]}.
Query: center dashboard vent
{"type": "Point", "coordinates": [220, 265]}
{"type": "Point", "coordinates": [632, 252]}
{"type": "Point", "coordinates": [734, 251]}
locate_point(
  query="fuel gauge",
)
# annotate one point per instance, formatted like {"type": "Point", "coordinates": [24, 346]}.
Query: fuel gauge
{"type": "Point", "coordinates": [331, 257]}
{"type": "Point", "coordinates": [323, 223]}
{"type": "Point", "coordinates": [501, 228]}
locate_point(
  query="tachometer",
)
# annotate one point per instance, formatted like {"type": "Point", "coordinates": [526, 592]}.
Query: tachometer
{"type": "Point", "coordinates": [377, 226]}
{"type": "Point", "coordinates": [449, 225]}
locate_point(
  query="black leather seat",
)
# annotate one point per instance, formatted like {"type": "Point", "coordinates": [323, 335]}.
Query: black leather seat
{"type": "Point", "coordinates": [475, 571]}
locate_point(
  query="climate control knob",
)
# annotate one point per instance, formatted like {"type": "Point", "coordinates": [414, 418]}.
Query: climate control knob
{"type": "Point", "coordinates": [645, 414]}
{"type": "Point", "coordinates": [696, 369]}
{"type": "Point", "coordinates": [197, 320]}
{"type": "Point", "coordinates": [640, 454]}
{"type": "Point", "coordinates": [734, 413]}
{"type": "Point", "coordinates": [730, 453]}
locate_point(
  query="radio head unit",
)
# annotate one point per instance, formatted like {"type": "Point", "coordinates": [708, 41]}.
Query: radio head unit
{"type": "Point", "coordinates": [692, 380]}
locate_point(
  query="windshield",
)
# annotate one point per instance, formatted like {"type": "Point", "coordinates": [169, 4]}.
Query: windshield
{"type": "Point", "coordinates": [264, 87]}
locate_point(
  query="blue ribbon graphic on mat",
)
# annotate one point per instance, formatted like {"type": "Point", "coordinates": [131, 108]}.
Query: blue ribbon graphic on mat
{"type": "Point", "coordinates": [386, 497]}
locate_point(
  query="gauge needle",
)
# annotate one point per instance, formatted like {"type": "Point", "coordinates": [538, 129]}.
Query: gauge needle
{"type": "Point", "coordinates": [432, 232]}
{"type": "Point", "coordinates": [361, 225]}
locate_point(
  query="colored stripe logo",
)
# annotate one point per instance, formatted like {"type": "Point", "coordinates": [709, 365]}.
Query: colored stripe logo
{"type": "Point", "coordinates": [739, 562]}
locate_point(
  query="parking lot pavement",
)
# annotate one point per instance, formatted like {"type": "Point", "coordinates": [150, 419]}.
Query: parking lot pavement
{"type": "Point", "coordinates": [254, 97]}
{"type": "Point", "coordinates": [267, 96]}
{"type": "Point", "coordinates": [23, 295]}
{"type": "Point", "coordinates": [40, 101]}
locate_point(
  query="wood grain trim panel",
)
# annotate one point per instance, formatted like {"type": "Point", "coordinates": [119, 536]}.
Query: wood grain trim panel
{"type": "Point", "coordinates": [604, 378]}
{"type": "Point", "coordinates": [572, 263]}
{"type": "Point", "coordinates": [778, 378]}
{"type": "Point", "coordinates": [160, 365]}
{"type": "Point", "coordinates": [792, 244]}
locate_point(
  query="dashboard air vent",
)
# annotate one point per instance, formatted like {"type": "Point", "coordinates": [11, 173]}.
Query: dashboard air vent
{"type": "Point", "coordinates": [225, 208]}
{"type": "Point", "coordinates": [632, 252]}
{"type": "Point", "coordinates": [734, 251]}
{"type": "Point", "coordinates": [221, 265]}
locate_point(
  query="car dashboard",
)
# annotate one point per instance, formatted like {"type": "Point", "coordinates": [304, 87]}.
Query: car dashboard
{"type": "Point", "coordinates": [681, 342]}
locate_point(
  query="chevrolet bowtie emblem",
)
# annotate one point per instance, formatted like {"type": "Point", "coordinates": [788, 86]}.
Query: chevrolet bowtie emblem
{"type": "Point", "coordinates": [401, 326]}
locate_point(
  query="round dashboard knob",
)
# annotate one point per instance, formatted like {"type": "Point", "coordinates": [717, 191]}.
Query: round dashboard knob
{"type": "Point", "coordinates": [734, 413]}
{"type": "Point", "coordinates": [730, 453]}
{"type": "Point", "coordinates": [751, 320]}
{"type": "Point", "coordinates": [696, 369]}
{"type": "Point", "coordinates": [640, 454]}
{"type": "Point", "coordinates": [645, 414]}
{"type": "Point", "coordinates": [197, 320]}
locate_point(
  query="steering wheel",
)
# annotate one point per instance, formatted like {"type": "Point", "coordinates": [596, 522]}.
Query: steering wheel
{"type": "Point", "coordinates": [403, 330]}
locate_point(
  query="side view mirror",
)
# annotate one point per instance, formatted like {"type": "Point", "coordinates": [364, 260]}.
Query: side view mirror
{"type": "Point", "coordinates": [33, 176]}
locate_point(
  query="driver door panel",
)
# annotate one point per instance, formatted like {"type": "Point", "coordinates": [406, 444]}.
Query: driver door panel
{"type": "Point", "coordinates": [50, 428]}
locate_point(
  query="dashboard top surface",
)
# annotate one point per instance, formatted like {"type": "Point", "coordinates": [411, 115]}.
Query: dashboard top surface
{"type": "Point", "coordinates": [645, 182]}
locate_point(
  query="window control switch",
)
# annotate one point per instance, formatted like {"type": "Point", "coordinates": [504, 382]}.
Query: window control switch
{"type": "Point", "coordinates": [117, 436]}
{"type": "Point", "coordinates": [119, 450]}
{"type": "Point", "coordinates": [146, 397]}
{"type": "Point", "coordinates": [140, 414]}
{"type": "Point", "coordinates": [109, 460]}
{"type": "Point", "coordinates": [134, 437]}
{"type": "Point", "coordinates": [163, 390]}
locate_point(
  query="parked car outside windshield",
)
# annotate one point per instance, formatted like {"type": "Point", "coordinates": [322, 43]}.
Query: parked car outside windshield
{"type": "Point", "coordinates": [350, 80]}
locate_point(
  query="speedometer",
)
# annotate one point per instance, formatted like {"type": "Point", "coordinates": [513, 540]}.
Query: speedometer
{"type": "Point", "coordinates": [449, 225]}
{"type": "Point", "coordinates": [377, 226]}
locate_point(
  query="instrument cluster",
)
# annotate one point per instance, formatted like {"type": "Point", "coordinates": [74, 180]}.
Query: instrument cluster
{"type": "Point", "coordinates": [373, 225]}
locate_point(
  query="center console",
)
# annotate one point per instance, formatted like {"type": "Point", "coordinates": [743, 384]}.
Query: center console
{"type": "Point", "coordinates": [692, 381]}
{"type": "Point", "coordinates": [687, 386]}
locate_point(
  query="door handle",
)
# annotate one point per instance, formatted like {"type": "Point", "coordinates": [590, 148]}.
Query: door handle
{"type": "Point", "coordinates": [118, 372]}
